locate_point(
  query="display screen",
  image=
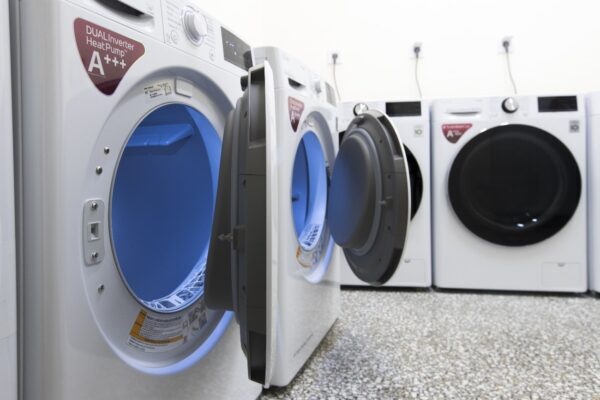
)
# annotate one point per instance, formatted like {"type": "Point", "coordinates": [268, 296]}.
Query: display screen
{"type": "Point", "coordinates": [235, 50]}
{"type": "Point", "coordinates": [403, 109]}
{"type": "Point", "coordinates": [557, 103]}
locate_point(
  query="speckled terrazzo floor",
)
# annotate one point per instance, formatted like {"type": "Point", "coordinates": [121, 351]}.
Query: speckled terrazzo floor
{"type": "Point", "coordinates": [439, 345]}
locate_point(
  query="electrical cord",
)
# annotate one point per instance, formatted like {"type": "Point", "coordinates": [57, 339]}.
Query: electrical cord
{"type": "Point", "coordinates": [334, 57]}
{"type": "Point", "coordinates": [417, 51]}
{"type": "Point", "coordinates": [506, 45]}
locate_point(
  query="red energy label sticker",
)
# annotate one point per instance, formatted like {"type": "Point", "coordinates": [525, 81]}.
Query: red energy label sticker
{"type": "Point", "coordinates": [296, 108]}
{"type": "Point", "coordinates": [106, 55]}
{"type": "Point", "coordinates": [453, 132]}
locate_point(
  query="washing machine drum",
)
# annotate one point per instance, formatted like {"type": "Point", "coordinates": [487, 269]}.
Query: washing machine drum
{"type": "Point", "coordinates": [162, 205]}
{"type": "Point", "coordinates": [514, 185]}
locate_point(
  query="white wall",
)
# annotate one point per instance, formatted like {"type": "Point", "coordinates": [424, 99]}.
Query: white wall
{"type": "Point", "coordinates": [556, 43]}
{"type": "Point", "coordinates": [244, 17]}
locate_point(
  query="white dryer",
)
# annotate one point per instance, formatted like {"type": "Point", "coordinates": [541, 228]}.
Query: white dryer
{"type": "Point", "coordinates": [509, 193]}
{"type": "Point", "coordinates": [123, 109]}
{"type": "Point", "coordinates": [8, 288]}
{"type": "Point", "coordinates": [411, 119]}
{"type": "Point", "coordinates": [593, 112]}
{"type": "Point", "coordinates": [279, 210]}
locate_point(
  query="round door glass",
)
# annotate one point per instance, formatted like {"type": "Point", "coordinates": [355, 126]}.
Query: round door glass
{"type": "Point", "coordinates": [162, 206]}
{"type": "Point", "coordinates": [309, 197]}
{"type": "Point", "coordinates": [309, 191]}
{"type": "Point", "coordinates": [416, 182]}
{"type": "Point", "coordinates": [514, 185]}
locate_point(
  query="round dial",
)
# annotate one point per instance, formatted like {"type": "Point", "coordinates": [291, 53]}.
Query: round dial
{"type": "Point", "coordinates": [510, 105]}
{"type": "Point", "coordinates": [194, 26]}
{"type": "Point", "coordinates": [360, 108]}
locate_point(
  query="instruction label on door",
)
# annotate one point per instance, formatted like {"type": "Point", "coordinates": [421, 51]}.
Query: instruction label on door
{"type": "Point", "coordinates": [160, 89]}
{"type": "Point", "coordinates": [152, 333]}
{"type": "Point", "coordinates": [296, 108]}
{"type": "Point", "coordinates": [105, 54]}
{"type": "Point", "coordinates": [453, 132]}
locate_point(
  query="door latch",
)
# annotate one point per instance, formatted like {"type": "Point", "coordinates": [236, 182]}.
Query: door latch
{"type": "Point", "coordinates": [93, 231]}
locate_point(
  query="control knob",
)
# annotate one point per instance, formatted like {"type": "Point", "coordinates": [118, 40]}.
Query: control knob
{"type": "Point", "coordinates": [194, 26]}
{"type": "Point", "coordinates": [360, 108]}
{"type": "Point", "coordinates": [510, 105]}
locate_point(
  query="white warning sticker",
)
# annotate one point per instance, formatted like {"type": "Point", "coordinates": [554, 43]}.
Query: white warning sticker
{"type": "Point", "coordinates": [152, 332]}
{"type": "Point", "coordinates": [160, 89]}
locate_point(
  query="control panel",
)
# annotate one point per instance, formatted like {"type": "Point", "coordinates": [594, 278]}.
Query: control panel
{"type": "Point", "coordinates": [181, 24]}
{"type": "Point", "coordinates": [189, 29]}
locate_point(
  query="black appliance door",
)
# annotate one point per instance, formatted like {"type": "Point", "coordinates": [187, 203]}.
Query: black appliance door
{"type": "Point", "coordinates": [369, 197]}
{"type": "Point", "coordinates": [514, 185]}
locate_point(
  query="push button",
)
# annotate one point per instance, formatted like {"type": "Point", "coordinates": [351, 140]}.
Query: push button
{"type": "Point", "coordinates": [184, 88]}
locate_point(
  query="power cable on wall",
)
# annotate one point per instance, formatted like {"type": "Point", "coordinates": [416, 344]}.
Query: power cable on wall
{"type": "Point", "coordinates": [417, 51]}
{"type": "Point", "coordinates": [334, 58]}
{"type": "Point", "coordinates": [506, 45]}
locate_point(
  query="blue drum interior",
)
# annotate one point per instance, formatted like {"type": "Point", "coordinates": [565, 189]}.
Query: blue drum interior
{"type": "Point", "coordinates": [309, 191]}
{"type": "Point", "coordinates": [162, 206]}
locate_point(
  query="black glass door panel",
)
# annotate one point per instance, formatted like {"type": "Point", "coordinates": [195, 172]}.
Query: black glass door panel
{"type": "Point", "coordinates": [514, 185]}
{"type": "Point", "coordinates": [416, 182]}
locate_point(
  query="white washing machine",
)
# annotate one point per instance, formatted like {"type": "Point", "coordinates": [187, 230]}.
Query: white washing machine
{"type": "Point", "coordinates": [411, 119]}
{"type": "Point", "coordinates": [593, 113]}
{"type": "Point", "coordinates": [279, 210]}
{"type": "Point", "coordinates": [8, 288]}
{"type": "Point", "coordinates": [509, 193]}
{"type": "Point", "coordinates": [123, 109]}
